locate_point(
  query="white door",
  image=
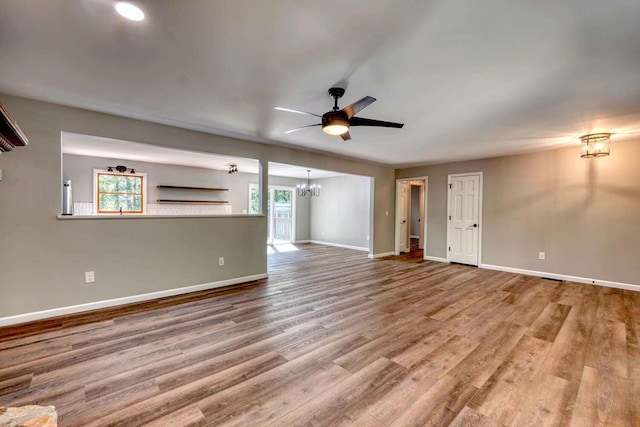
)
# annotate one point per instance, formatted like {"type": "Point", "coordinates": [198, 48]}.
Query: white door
{"type": "Point", "coordinates": [464, 218]}
{"type": "Point", "coordinates": [403, 208]}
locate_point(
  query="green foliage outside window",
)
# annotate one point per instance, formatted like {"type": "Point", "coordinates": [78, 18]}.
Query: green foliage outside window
{"type": "Point", "coordinates": [254, 208]}
{"type": "Point", "coordinates": [282, 196]}
{"type": "Point", "coordinates": [119, 193]}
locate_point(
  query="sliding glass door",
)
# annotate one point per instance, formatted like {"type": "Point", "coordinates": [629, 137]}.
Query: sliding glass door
{"type": "Point", "coordinates": [280, 212]}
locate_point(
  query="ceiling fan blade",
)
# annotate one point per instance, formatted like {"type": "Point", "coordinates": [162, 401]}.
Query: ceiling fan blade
{"type": "Point", "coordinates": [357, 106]}
{"type": "Point", "coordinates": [360, 121]}
{"type": "Point", "coordinates": [289, 110]}
{"type": "Point", "coordinates": [303, 127]}
{"type": "Point", "coordinates": [346, 136]}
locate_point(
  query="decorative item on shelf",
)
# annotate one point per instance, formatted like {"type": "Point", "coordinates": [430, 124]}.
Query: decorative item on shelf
{"type": "Point", "coordinates": [595, 145]}
{"type": "Point", "coordinates": [120, 168]}
{"type": "Point", "coordinates": [233, 168]}
{"type": "Point", "coordinates": [308, 188]}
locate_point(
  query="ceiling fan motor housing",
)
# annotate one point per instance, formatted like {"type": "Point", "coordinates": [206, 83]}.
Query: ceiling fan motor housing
{"type": "Point", "coordinates": [336, 92]}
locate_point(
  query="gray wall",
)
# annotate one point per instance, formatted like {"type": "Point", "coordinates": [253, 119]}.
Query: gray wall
{"type": "Point", "coordinates": [584, 213]}
{"type": "Point", "coordinates": [48, 257]}
{"type": "Point", "coordinates": [341, 214]}
{"type": "Point", "coordinates": [415, 210]}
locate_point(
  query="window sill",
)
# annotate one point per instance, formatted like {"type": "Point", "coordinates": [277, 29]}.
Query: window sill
{"type": "Point", "coordinates": [144, 216]}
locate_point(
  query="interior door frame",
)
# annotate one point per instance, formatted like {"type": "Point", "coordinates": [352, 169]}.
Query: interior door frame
{"type": "Point", "coordinates": [480, 197]}
{"type": "Point", "coordinates": [396, 248]}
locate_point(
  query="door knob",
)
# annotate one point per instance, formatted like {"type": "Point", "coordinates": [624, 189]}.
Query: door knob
{"type": "Point", "coordinates": [474, 225]}
{"type": "Point", "coordinates": [404, 221]}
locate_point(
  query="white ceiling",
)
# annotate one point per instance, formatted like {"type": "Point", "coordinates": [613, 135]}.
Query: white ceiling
{"type": "Point", "coordinates": [87, 145]}
{"type": "Point", "coordinates": [468, 78]}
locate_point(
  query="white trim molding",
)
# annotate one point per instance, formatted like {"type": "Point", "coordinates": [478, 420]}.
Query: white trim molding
{"type": "Point", "coordinates": [381, 255]}
{"type": "Point", "coordinates": [598, 282]}
{"type": "Point", "coordinates": [339, 245]}
{"type": "Point", "coordinates": [436, 258]}
{"type": "Point", "coordinates": [54, 312]}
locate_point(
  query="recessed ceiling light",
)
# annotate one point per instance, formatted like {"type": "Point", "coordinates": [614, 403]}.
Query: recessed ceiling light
{"type": "Point", "coordinates": [130, 11]}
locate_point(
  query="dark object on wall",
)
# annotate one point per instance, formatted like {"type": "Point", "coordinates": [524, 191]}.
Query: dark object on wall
{"type": "Point", "coordinates": [120, 168]}
{"type": "Point", "coordinates": [11, 135]}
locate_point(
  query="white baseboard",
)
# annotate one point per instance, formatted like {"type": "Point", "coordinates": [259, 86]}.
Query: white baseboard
{"type": "Point", "coordinates": [381, 255]}
{"type": "Point", "coordinates": [414, 236]}
{"type": "Point", "coordinates": [339, 245]}
{"type": "Point", "coordinates": [54, 312]}
{"type": "Point", "coordinates": [606, 283]}
{"type": "Point", "coordinates": [436, 258]}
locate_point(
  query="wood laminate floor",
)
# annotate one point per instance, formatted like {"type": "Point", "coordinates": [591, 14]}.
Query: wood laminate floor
{"type": "Point", "coordinates": [333, 338]}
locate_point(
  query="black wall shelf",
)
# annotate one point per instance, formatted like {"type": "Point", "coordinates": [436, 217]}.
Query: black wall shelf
{"type": "Point", "coordinates": [194, 202]}
{"type": "Point", "coordinates": [179, 187]}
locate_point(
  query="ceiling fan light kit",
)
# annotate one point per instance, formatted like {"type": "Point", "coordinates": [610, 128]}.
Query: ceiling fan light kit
{"type": "Point", "coordinates": [338, 121]}
{"type": "Point", "coordinates": [335, 123]}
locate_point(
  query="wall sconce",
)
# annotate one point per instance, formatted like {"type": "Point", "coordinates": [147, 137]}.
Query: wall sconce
{"type": "Point", "coordinates": [233, 168]}
{"type": "Point", "coordinates": [595, 145]}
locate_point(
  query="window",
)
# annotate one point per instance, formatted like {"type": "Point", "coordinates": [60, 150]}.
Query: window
{"type": "Point", "coordinates": [119, 192]}
{"type": "Point", "coordinates": [254, 199]}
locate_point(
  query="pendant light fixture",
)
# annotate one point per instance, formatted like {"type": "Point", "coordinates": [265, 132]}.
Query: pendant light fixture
{"type": "Point", "coordinates": [595, 145]}
{"type": "Point", "coordinates": [308, 188]}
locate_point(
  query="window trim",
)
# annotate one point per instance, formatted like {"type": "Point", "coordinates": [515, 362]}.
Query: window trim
{"type": "Point", "coordinates": [96, 201]}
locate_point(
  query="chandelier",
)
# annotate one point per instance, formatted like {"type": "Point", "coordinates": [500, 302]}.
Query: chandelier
{"type": "Point", "coordinates": [308, 188]}
{"type": "Point", "coordinates": [595, 145]}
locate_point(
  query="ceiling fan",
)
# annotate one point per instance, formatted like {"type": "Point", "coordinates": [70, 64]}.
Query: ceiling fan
{"type": "Point", "coordinates": [338, 121]}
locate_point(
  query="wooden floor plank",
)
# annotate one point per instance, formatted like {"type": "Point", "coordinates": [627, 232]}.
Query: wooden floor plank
{"type": "Point", "coordinates": [607, 349]}
{"type": "Point", "coordinates": [332, 404]}
{"type": "Point", "coordinates": [420, 378]}
{"type": "Point", "coordinates": [601, 400]}
{"type": "Point", "coordinates": [333, 338]}
{"type": "Point", "coordinates": [471, 418]}
{"type": "Point", "coordinates": [501, 396]}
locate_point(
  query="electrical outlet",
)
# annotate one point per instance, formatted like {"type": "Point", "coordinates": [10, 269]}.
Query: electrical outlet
{"type": "Point", "coordinates": [367, 238]}
{"type": "Point", "coordinates": [542, 255]}
{"type": "Point", "coordinates": [221, 260]}
{"type": "Point", "coordinates": [89, 277]}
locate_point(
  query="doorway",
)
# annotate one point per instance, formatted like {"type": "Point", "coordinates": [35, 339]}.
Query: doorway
{"type": "Point", "coordinates": [411, 209]}
{"type": "Point", "coordinates": [464, 231]}
{"type": "Point", "coordinates": [280, 212]}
